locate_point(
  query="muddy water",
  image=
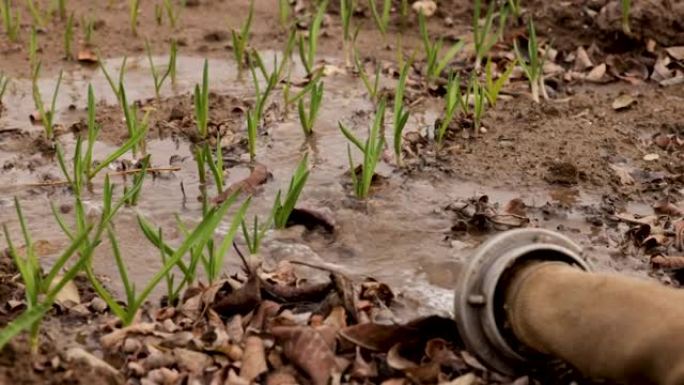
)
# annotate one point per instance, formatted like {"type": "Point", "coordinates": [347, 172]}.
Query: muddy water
{"type": "Point", "coordinates": [398, 236]}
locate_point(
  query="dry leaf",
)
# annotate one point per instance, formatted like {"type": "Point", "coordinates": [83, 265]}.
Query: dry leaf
{"type": "Point", "coordinates": [253, 359]}
{"type": "Point", "coordinates": [192, 361]}
{"type": "Point", "coordinates": [249, 185]}
{"type": "Point", "coordinates": [676, 53]}
{"type": "Point", "coordinates": [87, 56]}
{"type": "Point", "coordinates": [651, 157]}
{"type": "Point", "coordinates": [68, 296]}
{"type": "Point", "coordinates": [673, 263]}
{"type": "Point", "coordinates": [665, 207]}
{"type": "Point", "coordinates": [116, 337]}
{"type": "Point", "coordinates": [307, 349]}
{"type": "Point", "coordinates": [623, 102]}
{"type": "Point", "coordinates": [597, 73]}
{"type": "Point", "coordinates": [623, 174]}
{"type": "Point", "coordinates": [582, 60]}
{"type": "Point", "coordinates": [396, 361]}
{"type": "Point", "coordinates": [466, 379]}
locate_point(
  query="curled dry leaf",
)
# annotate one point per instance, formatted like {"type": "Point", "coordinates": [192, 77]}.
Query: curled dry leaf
{"type": "Point", "coordinates": [396, 361]}
{"type": "Point", "coordinates": [313, 292]}
{"type": "Point", "coordinates": [308, 350]}
{"type": "Point", "coordinates": [665, 207]}
{"type": "Point", "coordinates": [373, 290]}
{"type": "Point", "coordinates": [676, 52]}
{"type": "Point", "coordinates": [596, 75]}
{"type": "Point", "coordinates": [253, 359]}
{"type": "Point", "coordinates": [582, 60]}
{"type": "Point", "coordinates": [112, 340]}
{"type": "Point", "coordinates": [361, 369]}
{"type": "Point", "coordinates": [68, 296]}
{"type": "Point", "coordinates": [87, 56]}
{"type": "Point", "coordinates": [671, 263]}
{"type": "Point", "coordinates": [80, 355]}
{"type": "Point", "coordinates": [249, 185]}
{"type": "Point", "coordinates": [191, 361]}
{"type": "Point", "coordinates": [466, 379]}
{"type": "Point", "coordinates": [240, 301]}
{"type": "Point", "coordinates": [623, 102]}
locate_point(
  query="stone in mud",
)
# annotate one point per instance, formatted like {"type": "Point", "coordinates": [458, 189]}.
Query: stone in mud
{"type": "Point", "coordinates": [216, 36]}
{"type": "Point", "coordinates": [564, 173]}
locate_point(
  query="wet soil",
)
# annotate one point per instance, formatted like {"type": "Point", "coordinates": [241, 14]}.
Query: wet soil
{"type": "Point", "coordinates": [573, 162]}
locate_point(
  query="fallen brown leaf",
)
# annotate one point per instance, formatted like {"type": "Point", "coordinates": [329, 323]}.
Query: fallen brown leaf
{"type": "Point", "coordinates": [308, 350]}
{"type": "Point", "coordinates": [249, 185]}
{"type": "Point", "coordinates": [87, 56]}
{"type": "Point", "coordinates": [240, 301]}
{"type": "Point", "coordinates": [671, 263]}
{"type": "Point", "coordinates": [253, 359]}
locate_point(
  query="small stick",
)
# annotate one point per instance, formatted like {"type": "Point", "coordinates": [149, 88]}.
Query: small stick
{"type": "Point", "coordinates": [150, 170]}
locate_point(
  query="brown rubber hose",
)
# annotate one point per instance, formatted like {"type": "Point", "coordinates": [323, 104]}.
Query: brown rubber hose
{"type": "Point", "coordinates": [607, 326]}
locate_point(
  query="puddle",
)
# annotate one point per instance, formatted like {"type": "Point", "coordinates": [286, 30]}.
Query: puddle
{"type": "Point", "coordinates": [398, 238]}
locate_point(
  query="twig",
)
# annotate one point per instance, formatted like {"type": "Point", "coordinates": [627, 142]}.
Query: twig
{"type": "Point", "coordinates": [149, 170]}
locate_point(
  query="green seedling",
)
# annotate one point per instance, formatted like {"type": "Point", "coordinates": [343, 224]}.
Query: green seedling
{"type": "Point", "coordinates": [252, 132]}
{"type": "Point", "coordinates": [38, 19]}
{"type": "Point", "coordinates": [453, 100]}
{"type": "Point", "coordinates": [110, 80]}
{"type": "Point", "coordinates": [169, 277]}
{"type": "Point", "coordinates": [306, 90]}
{"type": "Point", "coordinates": [84, 169]}
{"type": "Point", "coordinates": [157, 77]}
{"type": "Point", "coordinates": [136, 127]}
{"type": "Point", "coordinates": [215, 166]}
{"type": "Point", "coordinates": [404, 10]}
{"type": "Point", "coordinates": [171, 12]}
{"type": "Point", "coordinates": [202, 103]}
{"type": "Point", "coordinates": [381, 19]}
{"type": "Point", "coordinates": [307, 52]}
{"type": "Point", "coordinates": [33, 50]}
{"type": "Point", "coordinates": [133, 12]}
{"type": "Point", "coordinates": [372, 151]}
{"type": "Point", "coordinates": [282, 209]}
{"type": "Point", "coordinates": [515, 7]}
{"type": "Point", "coordinates": [88, 30]}
{"type": "Point", "coordinates": [261, 96]}
{"type": "Point", "coordinates": [503, 19]}
{"type": "Point", "coordinates": [241, 39]}
{"type": "Point", "coordinates": [62, 9]}
{"type": "Point", "coordinates": [46, 116]}
{"type": "Point", "coordinates": [286, 63]}
{"type": "Point", "coordinates": [138, 179]}
{"type": "Point", "coordinates": [483, 38]}
{"type": "Point", "coordinates": [253, 239]}
{"type": "Point", "coordinates": [371, 87]}
{"type": "Point", "coordinates": [346, 13]}
{"type": "Point", "coordinates": [284, 12]}
{"type": "Point", "coordinates": [493, 87]}
{"type": "Point", "coordinates": [69, 38]}
{"type": "Point", "coordinates": [173, 61]}
{"type": "Point", "coordinates": [158, 14]}
{"type": "Point", "coordinates": [479, 102]}
{"type": "Point", "coordinates": [533, 64]}
{"type": "Point", "coordinates": [435, 63]}
{"type": "Point", "coordinates": [625, 7]}
{"type": "Point", "coordinates": [308, 118]}
{"type": "Point", "coordinates": [401, 114]}
{"type": "Point", "coordinates": [41, 289]}
{"type": "Point", "coordinates": [10, 20]}
{"type": "Point", "coordinates": [4, 81]}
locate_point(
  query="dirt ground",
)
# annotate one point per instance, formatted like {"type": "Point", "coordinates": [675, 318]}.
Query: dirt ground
{"type": "Point", "coordinates": [601, 161]}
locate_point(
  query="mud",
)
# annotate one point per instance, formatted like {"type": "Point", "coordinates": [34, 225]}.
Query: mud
{"type": "Point", "coordinates": [569, 164]}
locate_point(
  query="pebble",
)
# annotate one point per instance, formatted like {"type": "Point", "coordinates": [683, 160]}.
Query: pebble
{"type": "Point", "coordinates": [651, 157]}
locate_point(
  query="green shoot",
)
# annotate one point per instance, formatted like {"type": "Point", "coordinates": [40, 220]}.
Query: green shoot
{"type": "Point", "coordinates": [69, 37]}
{"type": "Point", "coordinates": [46, 116]}
{"type": "Point", "coordinates": [401, 114]}
{"type": "Point", "coordinates": [138, 178]}
{"type": "Point", "coordinates": [88, 30]}
{"type": "Point", "coordinates": [435, 63]}
{"type": "Point", "coordinates": [254, 239]}
{"type": "Point", "coordinates": [241, 39]}
{"type": "Point", "coordinates": [38, 19]}
{"type": "Point", "coordinates": [381, 19]}
{"type": "Point", "coordinates": [4, 81]}
{"type": "Point", "coordinates": [36, 283]}
{"type": "Point", "coordinates": [173, 59]}
{"type": "Point", "coordinates": [533, 64]}
{"type": "Point", "coordinates": [452, 101]}
{"type": "Point", "coordinates": [158, 14]}
{"type": "Point", "coordinates": [493, 87]}
{"type": "Point", "coordinates": [284, 12]}
{"type": "Point", "coordinates": [10, 20]}
{"type": "Point", "coordinates": [136, 127]}
{"type": "Point", "coordinates": [503, 19]}
{"type": "Point", "coordinates": [308, 54]}
{"type": "Point", "coordinates": [282, 210]}
{"type": "Point", "coordinates": [33, 49]}
{"type": "Point", "coordinates": [625, 7]}
{"type": "Point", "coordinates": [169, 277]}
{"type": "Point", "coordinates": [479, 102]}
{"type": "Point", "coordinates": [252, 131]}
{"type": "Point", "coordinates": [156, 76]}
{"type": "Point", "coordinates": [133, 12]}
{"type": "Point", "coordinates": [271, 82]}
{"type": "Point", "coordinates": [110, 80]}
{"type": "Point", "coordinates": [202, 103]}
{"type": "Point", "coordinates": [482, 36]}
{"type": "Point", "coordinates": [346, 13]}
{"type": "Point", "coordinates": [514, 5]}
{"type": "Point", "coordinates": [171, 12]}
{"type": "Point", "coordinates": [62, 9]}
{"type": "Point", "coordinates": [308, 118]}
{"type": "Point", "coordinates": [404, 13]}
{"type": "Point", "coordinates": [372, 151]}
{"type": "Point", "coordinates": [371, 87]}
